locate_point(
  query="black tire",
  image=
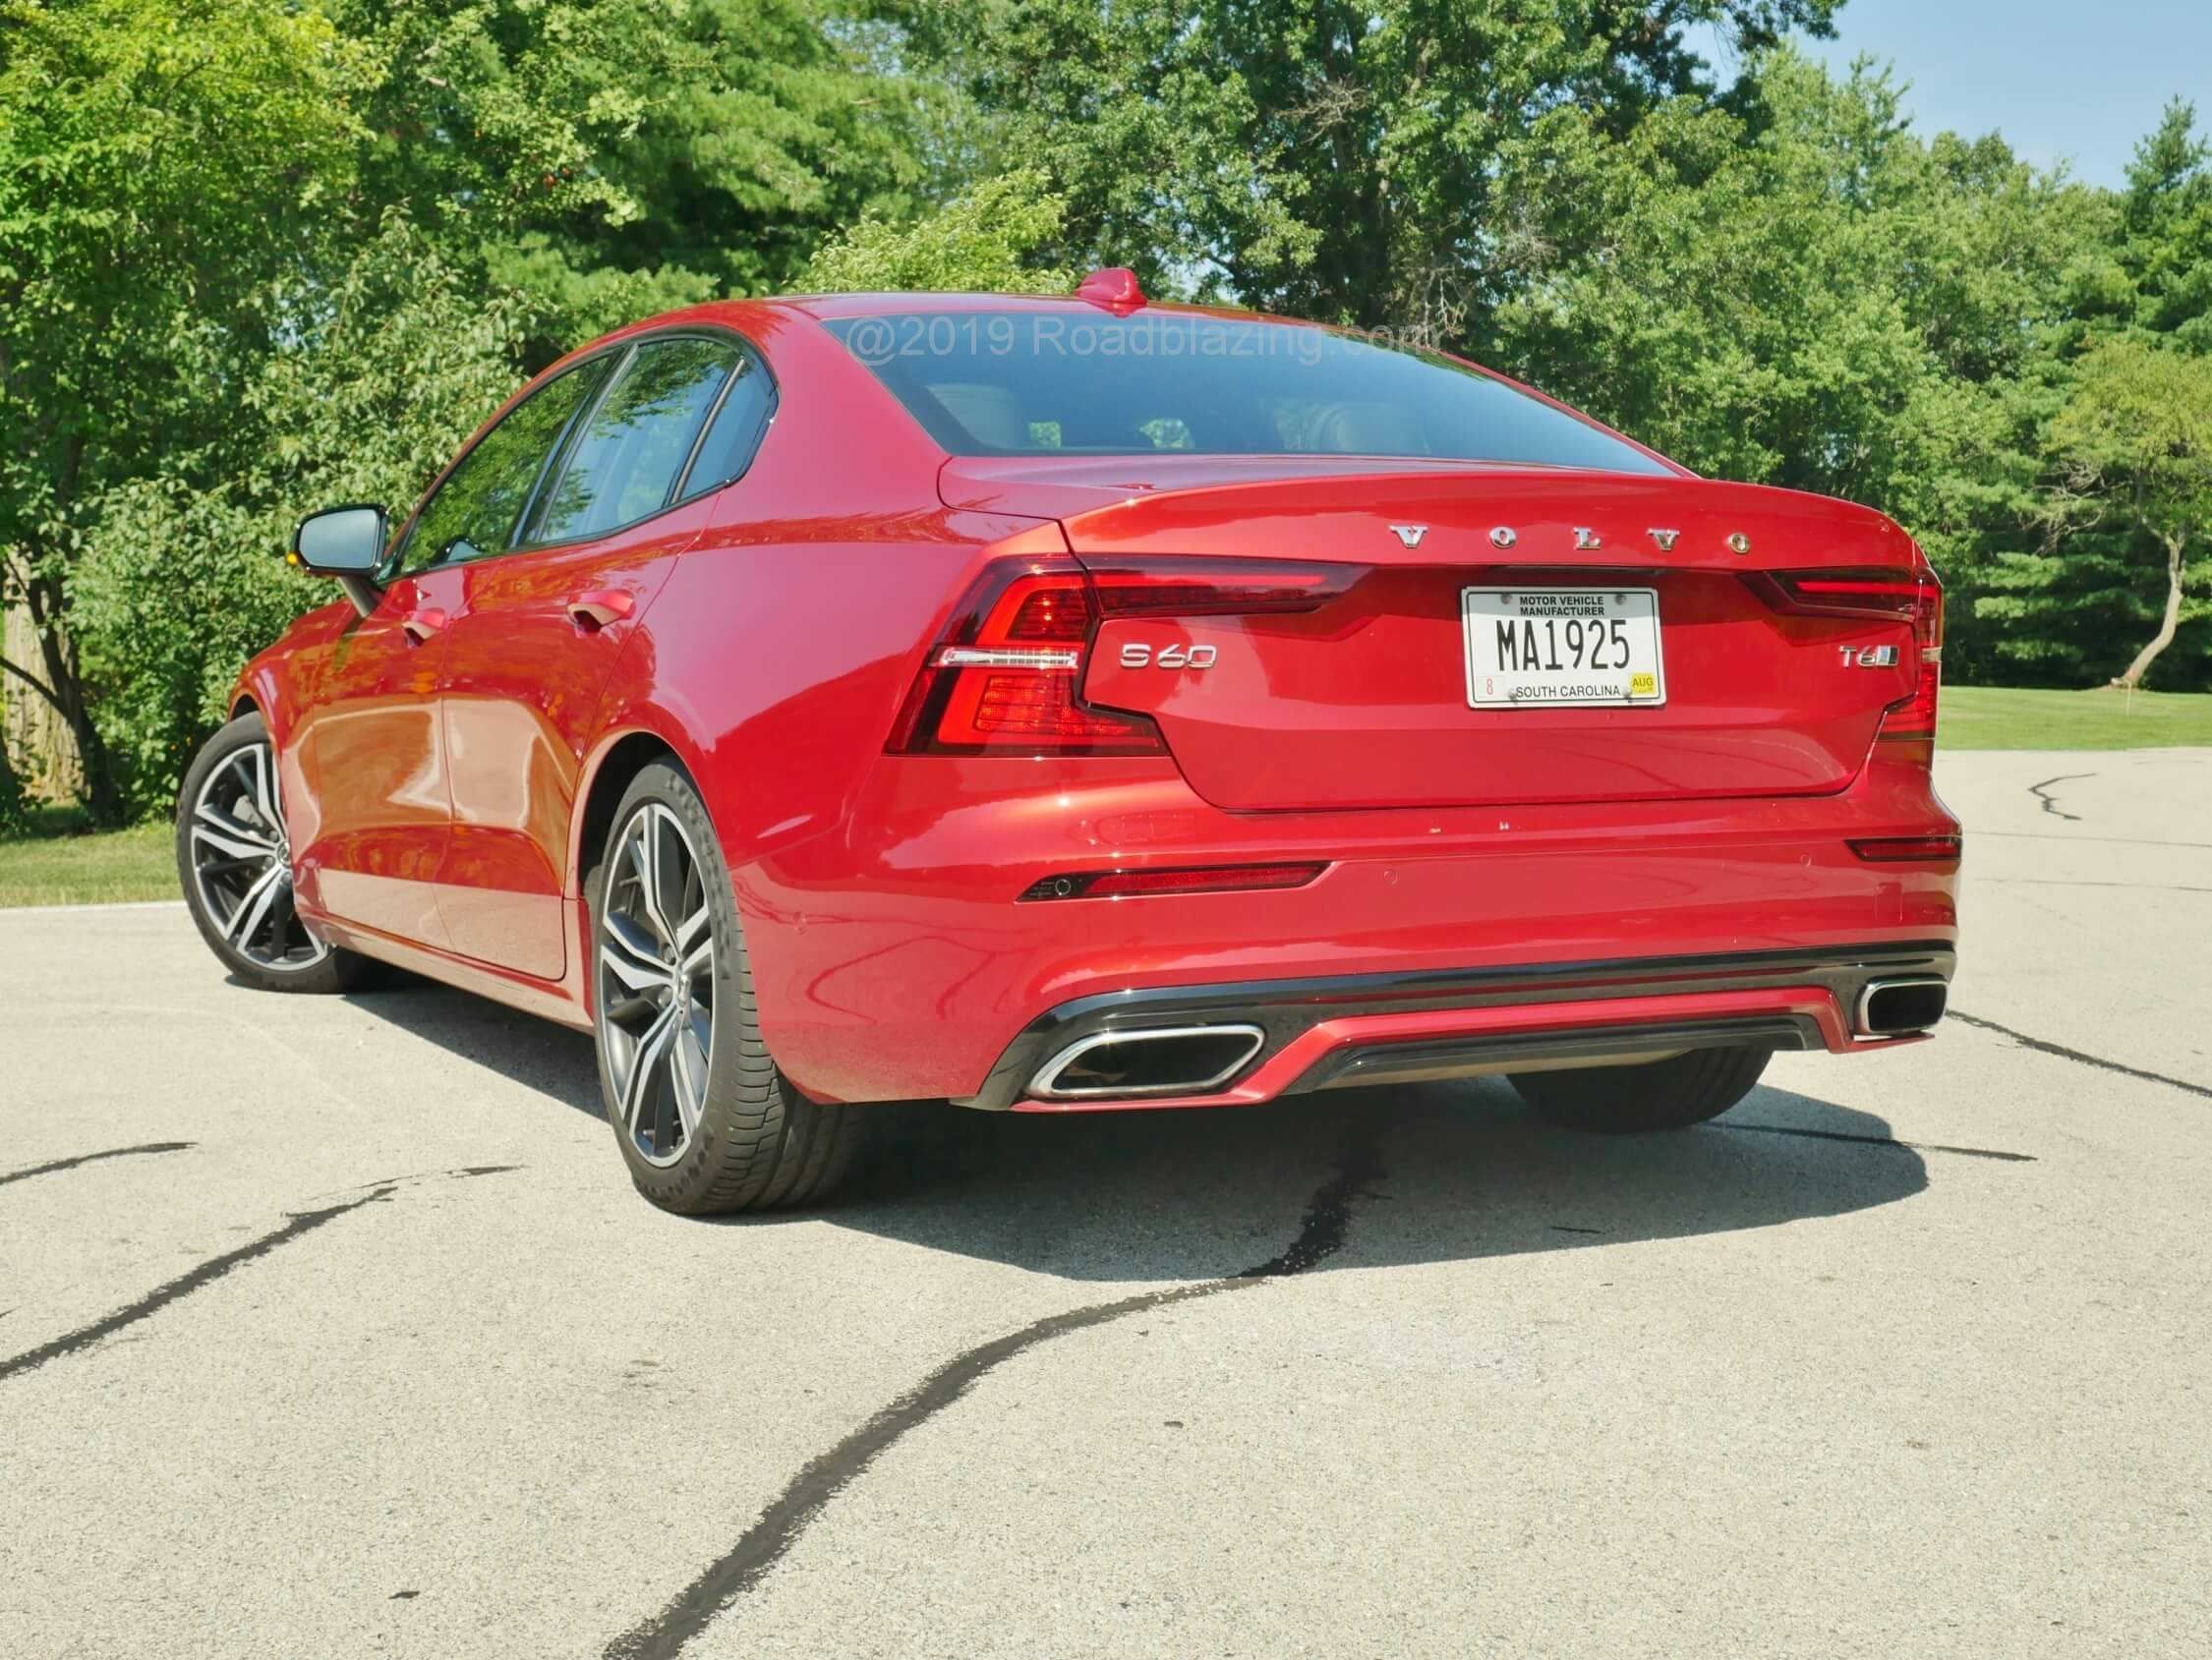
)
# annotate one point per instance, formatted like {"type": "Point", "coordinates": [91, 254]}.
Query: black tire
{"type": "Point", "coordinates": [1672, 1094]}
{"type": "Point", "coordinates": [234, 863]}
{"type": "Point", "coordinates": [745, 1139]}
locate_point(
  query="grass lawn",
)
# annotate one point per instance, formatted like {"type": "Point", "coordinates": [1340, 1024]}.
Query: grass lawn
{"type": "Point", "coordinates": [2004, 718]}
{"type": "Point", "coordinates": [67, 865]}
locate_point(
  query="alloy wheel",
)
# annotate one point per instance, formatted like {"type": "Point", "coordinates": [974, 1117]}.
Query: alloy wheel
{"type": "Point", "coordinates": [242, 863]}
{"type": "Point", "coordinates": [655, 984]}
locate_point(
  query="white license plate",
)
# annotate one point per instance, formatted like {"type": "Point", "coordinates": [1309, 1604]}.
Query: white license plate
{"type": "Point", "coordinates": [1539, 646]}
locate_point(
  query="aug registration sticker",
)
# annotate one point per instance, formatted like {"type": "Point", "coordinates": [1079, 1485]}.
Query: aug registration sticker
{"type": "Point", "coordinates": [1562, 645]}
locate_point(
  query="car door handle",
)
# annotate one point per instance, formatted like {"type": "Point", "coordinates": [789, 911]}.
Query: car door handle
{"type": "Point", "coordinates": [421, 624]}
{"type": "Point", "coordinates": [598, 607]}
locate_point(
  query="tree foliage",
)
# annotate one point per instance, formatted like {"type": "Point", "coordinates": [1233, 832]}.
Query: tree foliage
{"type": "Point", "coordinates": [1350, 162]}
{"type": "Point", "coordinates": [986, 242]}
{"type": "Point", "coordinates": [160, 160]}
{"type": "Point", "coordinates": [610, 158]}
{"type": "Point", "coordinates": [376, 380]}
{"type": "Point", "coordinates": [2135, 438]}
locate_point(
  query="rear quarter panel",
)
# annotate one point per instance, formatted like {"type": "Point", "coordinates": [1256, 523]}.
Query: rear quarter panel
{"type": "Point", "coordinates": [774, 660]}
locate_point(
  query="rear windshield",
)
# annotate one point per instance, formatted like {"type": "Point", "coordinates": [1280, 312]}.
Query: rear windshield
{"type": "Point", "coordinates": [1092, 384]}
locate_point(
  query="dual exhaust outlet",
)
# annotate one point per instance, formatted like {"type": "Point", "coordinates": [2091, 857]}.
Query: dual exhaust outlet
{"type": "Point", "coordinates": [1169, 1061]}
{"type": "Point", "coordinates": [1895, 1008]}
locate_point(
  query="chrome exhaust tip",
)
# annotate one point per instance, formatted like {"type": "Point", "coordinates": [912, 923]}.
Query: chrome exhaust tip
{"type": "Point", "coordinates": [1164, 1060]}
{"type": "Point", "coordinates": [1892, 1008]}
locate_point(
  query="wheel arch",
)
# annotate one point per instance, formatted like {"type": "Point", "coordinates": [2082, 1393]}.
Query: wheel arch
{"type": "Point", "coordinates": [616, 759]}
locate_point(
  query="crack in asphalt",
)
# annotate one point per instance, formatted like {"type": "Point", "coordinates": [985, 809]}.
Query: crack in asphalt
{"type": "Point", "coordinates": [1883, 1141]}
{"type": "Point", "coordinates": [2062, 882]}
{"type": "Point", "coordinates": [2044, 1046]}
{"type": "Point", "coordinates": [298, 1225]}
{"type": "Point", "coordinates": [49, 1168]}
{"type": "Point", "coordinates": [2049, 804]}
{"type": "Point", "coordinates": [808, 1493]}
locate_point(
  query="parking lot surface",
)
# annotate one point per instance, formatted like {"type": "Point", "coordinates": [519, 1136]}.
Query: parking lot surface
{"type": "Point", "coordinates": [331, 1326]}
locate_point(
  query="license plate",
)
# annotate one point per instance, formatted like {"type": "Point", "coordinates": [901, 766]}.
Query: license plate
{"type": "Point", "coordinates": [1540, 646]}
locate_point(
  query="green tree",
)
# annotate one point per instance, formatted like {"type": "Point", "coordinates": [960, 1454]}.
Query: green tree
{"type": "Point", "coordinates": [379, 374]}
{"type": "Point", "coordinates": [985, 242]}
{"type": "Point", "coordinates": [610, 158]}
{"type": "Point", "coordinates": [2136, 438]}
{"type": "Point", "coordinates": [1340, 161]}
{"type": "Point", "coordinates": [1808, 294]}
{"type": "Point", "coordinates": [160, 160]}
{"type": "Point", "coordinates": [2075, 603]}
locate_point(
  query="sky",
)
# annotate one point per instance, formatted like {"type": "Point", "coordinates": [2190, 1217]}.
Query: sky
{"type": "Point", "coordinates": [2062, 80]}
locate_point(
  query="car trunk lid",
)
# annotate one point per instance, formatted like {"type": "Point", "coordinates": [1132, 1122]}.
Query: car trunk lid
{"type": "Point", "coordinates": [1368, 698]}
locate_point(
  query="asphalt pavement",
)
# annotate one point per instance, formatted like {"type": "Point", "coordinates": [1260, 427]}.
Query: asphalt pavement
{"type": "Point", "coordinates": [332, 1326]}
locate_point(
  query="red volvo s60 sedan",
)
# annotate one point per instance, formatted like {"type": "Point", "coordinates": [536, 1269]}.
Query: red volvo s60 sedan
{"type": "Point", "coordinates": [1054, 703]}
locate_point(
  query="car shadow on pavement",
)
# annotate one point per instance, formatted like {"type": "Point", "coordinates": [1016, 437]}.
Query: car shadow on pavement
{"type": "Point", "coordinates": [1457, 1170]}
{"type": "Point", "coordinates": [1453, 1170]}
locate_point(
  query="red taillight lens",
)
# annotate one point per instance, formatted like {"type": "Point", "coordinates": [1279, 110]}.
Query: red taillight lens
{"type": "Point", "coordinates": [1214, 879]}
{"type": "Point", "coordinates": [1002, 680]}
{"type": "Point", "coordinates": [1908, 849]}
{"type": "Point", "coordinates": [1912, 595]}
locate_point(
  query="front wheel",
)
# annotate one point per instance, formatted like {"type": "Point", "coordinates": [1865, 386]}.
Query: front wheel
{"type": "Point", "coordinates": [705, 1120]}
{"type": "Point", "coordinates": [1672, 1094]}
{"type": "Point", "coordinates": [235, 862]}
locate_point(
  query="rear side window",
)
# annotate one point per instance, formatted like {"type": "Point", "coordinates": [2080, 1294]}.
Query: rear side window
{"type": "Point", "coordinates": [475, 512]}
{"type": "Point", "coordinates": [728, 448]}
{"type": "Point", "coordinates": [627, 455]}
{"type": "Point", "coordinates": [1087, 382]}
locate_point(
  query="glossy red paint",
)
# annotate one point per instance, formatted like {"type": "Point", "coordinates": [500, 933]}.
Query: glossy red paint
{"type": "Point", "coordinates": [439, 788]}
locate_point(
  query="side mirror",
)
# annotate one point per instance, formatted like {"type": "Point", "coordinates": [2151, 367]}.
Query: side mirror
{"type": "Point", "coordinates": [347, 542]}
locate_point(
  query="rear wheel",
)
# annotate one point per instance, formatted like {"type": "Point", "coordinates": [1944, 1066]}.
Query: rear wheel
{"type": "Point", "coordinates": [1672, 1094]}
{"type": "Point", "coordinates": [234, 859]}
{"type": "Point", "coordinates": [705, 1120]}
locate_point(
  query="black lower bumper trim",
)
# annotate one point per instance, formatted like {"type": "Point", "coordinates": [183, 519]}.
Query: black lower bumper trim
{"type": "Point", "coordinates": [1284, 1008]}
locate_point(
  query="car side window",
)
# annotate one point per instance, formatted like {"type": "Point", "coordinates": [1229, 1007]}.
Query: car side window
{"type": "Point", "coordinates": [736, 433]}
{"type": "Point", "coordinates": [624, 463]}
{"type": "Point", "coordinates": [476, 511]}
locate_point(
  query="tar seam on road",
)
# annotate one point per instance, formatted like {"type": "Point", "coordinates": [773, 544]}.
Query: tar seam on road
{"type": "Point", "coordinates": [214, 1269]}
{"type": "Point", "coordinates": [29, 1171]}
{"type": "Point", "coordinates": [2061, 881]}
{"type": "Point", "coordinates": [2051, 806]}
{"type": "Point", "coordinates": [809, 1493]}
{"type": "Point", "coordinates": [184, 1285]}
{"type": "Point", "coordinates": [2065, 1054]}
{"type": "Point", "coordinates": [1884, 1141]}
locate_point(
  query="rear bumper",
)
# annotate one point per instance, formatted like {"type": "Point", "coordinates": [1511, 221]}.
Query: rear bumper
{"type": "Point", "coordinates": [893, 959]}
{"type": "Point", "coordinates": [1384, 1028]}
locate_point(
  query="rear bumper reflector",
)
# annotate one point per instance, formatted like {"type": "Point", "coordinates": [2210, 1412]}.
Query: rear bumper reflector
{"type": "Point", "coordinates": [1210, 878]}
{"type": "Point", "coordinates": [1908, 849]}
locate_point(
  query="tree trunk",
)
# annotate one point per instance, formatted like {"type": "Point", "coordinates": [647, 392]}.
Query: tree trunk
{"type": "Point", "coordinates": [58, 655]}
{"type": "Point", "coordinates": [38, 745]}
{"type": "Point", "coordinates": [2166, 625]}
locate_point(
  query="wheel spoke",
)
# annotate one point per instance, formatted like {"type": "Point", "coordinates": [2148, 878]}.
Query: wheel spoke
{"type": "Point", "coordinates": [264, 797]}
{"type": "Point", "coordinates": [644, 1062]}
{"type": "Point", "coordinates": [693, 926]}
{"type": "Point", "coordinates": [253, 907]}
{"type": "Point", "coordinates": [211, 825]}
{"type": "Point", "coordinates": [690, 1071]}
{"type": "Point", "coordinates": [628, 953]}
{"type": "Point", "coordinates": [653, 873]}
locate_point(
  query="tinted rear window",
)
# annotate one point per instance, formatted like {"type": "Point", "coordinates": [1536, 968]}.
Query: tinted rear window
{"type": "Point", "coordinates": [1091, 383]}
